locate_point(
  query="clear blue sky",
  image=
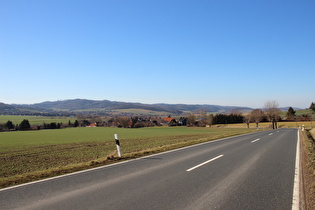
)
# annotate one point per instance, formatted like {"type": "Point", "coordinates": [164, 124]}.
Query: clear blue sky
{"type": "Point", "coordinates": [222, 52]}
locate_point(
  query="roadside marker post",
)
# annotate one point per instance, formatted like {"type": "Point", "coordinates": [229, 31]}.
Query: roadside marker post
{"type": "Point", "coordinates": [117, 145]}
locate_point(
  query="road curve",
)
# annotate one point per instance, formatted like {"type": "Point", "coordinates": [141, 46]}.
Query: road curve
{"type": "Point", "coordinates": [252, 171]}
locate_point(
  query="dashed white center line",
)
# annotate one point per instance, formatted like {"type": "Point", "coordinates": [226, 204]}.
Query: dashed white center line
{"type": "Point", "coordinates": [255, 140]}
{"type": "Point", "coordinates": [201, 164]}
{"type": "Point", "coordinates": [270, 134]}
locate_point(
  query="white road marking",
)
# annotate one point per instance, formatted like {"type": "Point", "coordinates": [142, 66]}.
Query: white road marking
{"type": "Point", "coordinates": [270, 134]}
{"type": "Point", "coordinates": [201, 164]}
{"type": "Point", "coordinates": [296, 187]}
{"type": "Point", "coordinates": [255, 140]}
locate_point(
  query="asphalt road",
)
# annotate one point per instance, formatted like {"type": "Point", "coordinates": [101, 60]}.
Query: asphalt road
{"type": "Point", "coordinates": [253, 171]}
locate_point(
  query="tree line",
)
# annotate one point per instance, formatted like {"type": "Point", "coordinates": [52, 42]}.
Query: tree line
{"type": "Point", "coordinates": [23, 126]}
{"type": "Point", "coordinates": [271, 113]}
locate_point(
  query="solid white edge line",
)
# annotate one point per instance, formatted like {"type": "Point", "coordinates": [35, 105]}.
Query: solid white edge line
{"type": "Point", "coordinates": [296, 187]}
{"type": "Point", "coordinates": [255, 140]}
{"type": "Point", "coordinates": [201, 164]}
{"type": "Point", "coordinates": [123, 162]}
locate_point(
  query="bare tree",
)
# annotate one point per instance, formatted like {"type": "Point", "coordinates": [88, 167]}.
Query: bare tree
{"type": "Point", "coordinates": [191, 120]}
{"type": "Point", "coordinates": [201, 113]}
{"type": "Point", "coordinates": [257, 116]}
{"type": "Point", "coordinates": [247, 119]}
{"type": "Point", "coordinates": [210, 119]}
{"type": "Point", "coordinates": [123, 122]}
{"type": "Point", "coordinates": [273, 113]}
{"type": "Point", "coordinates": [202, 118]}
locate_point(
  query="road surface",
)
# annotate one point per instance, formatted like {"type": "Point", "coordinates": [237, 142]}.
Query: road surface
{"type": "Point", "coordinates": [252, 171]}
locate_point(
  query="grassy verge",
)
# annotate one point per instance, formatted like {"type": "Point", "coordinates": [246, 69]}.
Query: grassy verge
{"type": "Point", "coordinates": [32, 155]}
{"type": "Point", "coordinates": [308, 160]}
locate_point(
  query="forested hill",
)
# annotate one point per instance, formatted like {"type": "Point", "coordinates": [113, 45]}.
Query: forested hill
{"type": "Point", "coordinates": [106, 107]}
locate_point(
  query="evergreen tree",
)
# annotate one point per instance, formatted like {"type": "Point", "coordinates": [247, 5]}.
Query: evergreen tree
{"type": "Point", "coordinates": [312, 107]}
{"type": "Point", "coordinates": [85, 123]}
{"type": "Point", "coordinates": [25, 125]}
{"type": "Point", "coordinates": [9, 125]}
{"type": "Point", "coordinates": [53, 125]}
{"type": "Point", "coordinates": [291, 112]}
{"type": "Point", "coordinates": [76, 123]}
{"type": "Point", "coordinates": [46, 126]}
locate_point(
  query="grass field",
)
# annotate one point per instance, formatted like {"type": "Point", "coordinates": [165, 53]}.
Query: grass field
{"type": "Point", "coordinates": [305, 111]}
{"type": "Point", "coordinates": [35, 120]}
{"type": "Point", "coordinates": [32, 155]}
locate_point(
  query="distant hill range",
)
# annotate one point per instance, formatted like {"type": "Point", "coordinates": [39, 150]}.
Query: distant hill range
{"type": "Point", "coordinates": [106, 107]}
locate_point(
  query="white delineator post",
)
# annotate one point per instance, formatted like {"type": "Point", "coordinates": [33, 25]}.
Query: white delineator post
{"type": "Point", "coordinates": [117, 145]}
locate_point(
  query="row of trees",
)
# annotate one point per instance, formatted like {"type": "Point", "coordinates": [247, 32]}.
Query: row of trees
{"type": "Point", "coordinates": [205, 119]}
{"type": "Point", "coordinates": [24, 125]}
{"type": "Point", "coordinates": [271, 113]}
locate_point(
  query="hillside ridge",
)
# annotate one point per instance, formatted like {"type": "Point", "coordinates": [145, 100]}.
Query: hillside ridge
{"type": "Point", "coordinates": [107, 107]}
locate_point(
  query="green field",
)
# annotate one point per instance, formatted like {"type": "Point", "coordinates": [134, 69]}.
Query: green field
{"type": "Point", "coordinates": [35, 120]}
{"type": "Point", "coordinates": [305, 111]}
{"type": "Point", "coordinates": [24, 139]}
{"type": "Point", "coordinates": [31, 155]}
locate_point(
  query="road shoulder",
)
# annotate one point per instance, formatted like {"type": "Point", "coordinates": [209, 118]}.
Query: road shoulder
{"type": "Point", "coordinates": [308, 178]}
